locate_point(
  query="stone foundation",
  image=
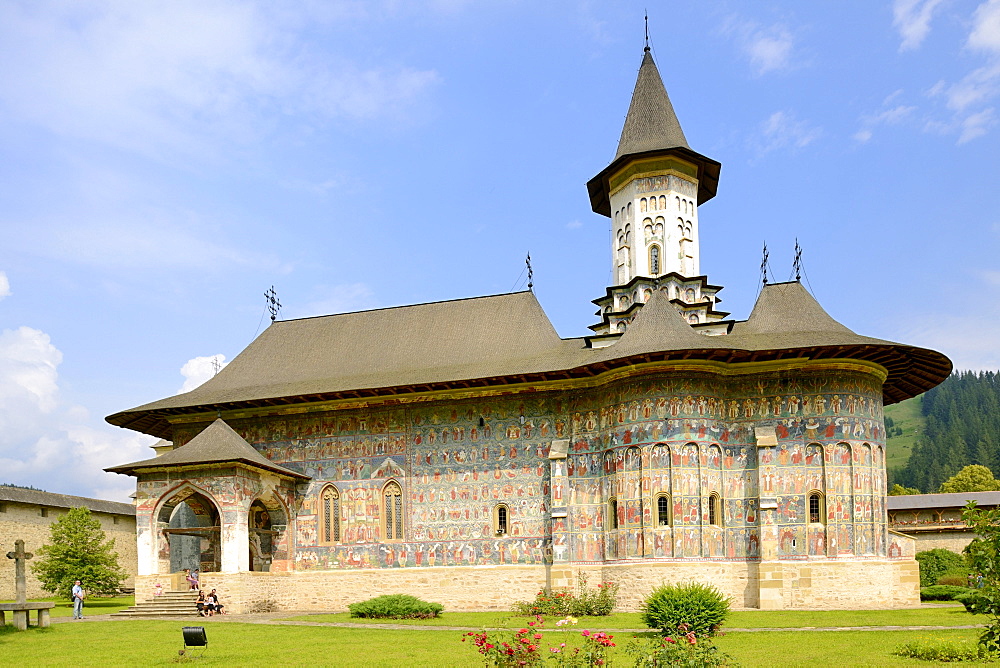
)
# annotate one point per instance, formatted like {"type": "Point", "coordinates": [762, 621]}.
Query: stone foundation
{"type": "Point", "coordinates": [770, 585]}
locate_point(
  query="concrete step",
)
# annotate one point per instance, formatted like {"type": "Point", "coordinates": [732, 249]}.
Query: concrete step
{"type": "Point", "coordinates": [169, 604]}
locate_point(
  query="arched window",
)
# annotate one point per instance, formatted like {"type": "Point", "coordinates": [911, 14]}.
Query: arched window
{"type": "Point", "coordinates": [330, 504]}
{"type": "Point", "coordinates": [663, 202]}
{"type": "Point", "coordinates": [715, 510]}
{"type": "Point", "coordinates": [654, 260]}
{"type": "Point", "coordinates": [628, 211]}
{"type": "Point", "coordinates": [613, 514]}
{"type": "Point", "coordinates": [663, 510]}
{"type": "Point", "coordinates": [642, 205]}
{"type": "Point", "coordinates": [501, 519]}
{"type": "Point", "coordinates": [817, 509]}
{"type": "Point", "coordinates": [392, 518]}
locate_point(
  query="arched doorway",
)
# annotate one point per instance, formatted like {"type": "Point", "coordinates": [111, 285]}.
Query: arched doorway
{"type": "Point", "coordinates": [261, 537]}
{"type": "Point", "coordinates": [189, 523]}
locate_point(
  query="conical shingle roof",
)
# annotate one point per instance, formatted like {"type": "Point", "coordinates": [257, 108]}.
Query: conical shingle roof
{"type": "Point", "coordinates": [651, 123]}
{"type": "Point", "coordinates": [216, 444]}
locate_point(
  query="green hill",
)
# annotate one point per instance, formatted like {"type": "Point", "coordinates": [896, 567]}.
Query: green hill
{"type": "Point", "coordinates": [934, 436]}
{"type": "Point", "coordinates": [904, 424]}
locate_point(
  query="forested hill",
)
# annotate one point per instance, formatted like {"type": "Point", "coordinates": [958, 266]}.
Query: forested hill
{"type": "Point", "coordinates": [961, 427]}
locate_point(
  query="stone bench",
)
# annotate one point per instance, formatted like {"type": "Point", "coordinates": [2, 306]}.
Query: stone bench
{"type": "Point", "coordinates": [21, 611]}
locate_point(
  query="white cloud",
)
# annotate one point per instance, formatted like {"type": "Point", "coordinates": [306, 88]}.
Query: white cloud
{"type": "Point", "coordinates": [329, 299]}
{"type": "Point", "coordinates": [573, 225]}
{"type": "Point", "coordinates": [985, 34]}
{"type": "Point", "coordinates": [47, 442]}
{"type": "Point", "coordinates": [912, 18]}
{"type": "Point", "coordinates": [4, 286]}
{"type": "Point", "coordinates": [971, 343]}
{"type": "Point", "coordinates": [970, 98]}
{"type": "Point", "coordinates": [890, 116]}
{"type": "Point", "coordinates": [769, 48]}
{"type": "Point", "coordinates": [199, 369]}
{"type": "Point", "coordinates": [782, 130]}
{"type": "Point", "coordinates": [172, 79]}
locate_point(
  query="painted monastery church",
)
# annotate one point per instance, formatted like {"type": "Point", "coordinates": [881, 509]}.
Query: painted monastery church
{"type": "Point", "coordinates": [463, 452]}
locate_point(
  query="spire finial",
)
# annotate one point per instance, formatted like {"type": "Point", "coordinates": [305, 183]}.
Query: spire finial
{"type": "Point", "coordinates": [797, 263]}
{"type": "Point", "coordinates": [273, 305]}
{"type": "Point", "coordinates": [531, 272]}
{"type": "Point", "coordinates": [645, 18]}
{"type": "Point", "coordinates": [763, 265]}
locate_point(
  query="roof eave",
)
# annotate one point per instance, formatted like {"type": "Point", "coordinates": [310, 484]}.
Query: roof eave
{"type": "Point", "coordinates": [599, 188]}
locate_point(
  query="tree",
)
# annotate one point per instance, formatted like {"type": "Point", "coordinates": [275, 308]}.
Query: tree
{"type": "Point", "coordinates": [899, 490]}
{"type": "Point", "coordinates": [973, 478]}
{"type": "Point", "coordinates": [983, 554]}
{"type": "Point", "coordinates": [79, 550]}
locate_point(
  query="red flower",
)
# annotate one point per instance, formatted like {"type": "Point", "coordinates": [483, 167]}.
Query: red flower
{"type": "Point", "coordinates": [538, 636]}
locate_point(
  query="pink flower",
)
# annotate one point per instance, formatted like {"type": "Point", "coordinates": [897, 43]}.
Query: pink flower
{"type": "Point", "coordinates": [538, 636]}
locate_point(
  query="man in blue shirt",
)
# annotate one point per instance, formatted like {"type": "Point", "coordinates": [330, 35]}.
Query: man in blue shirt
{"type": "Point", "coordinates": [77, 601]}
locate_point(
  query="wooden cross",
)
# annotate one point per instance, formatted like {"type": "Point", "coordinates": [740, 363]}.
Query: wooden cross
{"type": "Point", "coordinates": [20, 557]}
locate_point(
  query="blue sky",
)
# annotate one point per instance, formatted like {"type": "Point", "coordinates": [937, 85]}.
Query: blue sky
{"type": "Point", "coordinates": [164, 163]}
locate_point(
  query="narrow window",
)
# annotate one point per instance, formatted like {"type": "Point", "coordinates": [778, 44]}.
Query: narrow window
{"type": "Point", "coordinates": [44, 512]}
{"type": "Point", "coordinates": [331, 515]}
{"type": "Point", "coordinates": [642, 205]}
{"type": "Point", "coordinates": [714, 510]}
{"type": "Point", "coordinates": [500, 519]}
{"type": "Point", "coordinates": [663, 510]}
{"type": "Point", "coordinates": [114, 519]}
{"type": "Point", "coordinates": [654, 260]}
{"type": "Point", "coordinates": [613, 513]}
{"type": "Point", "coordinates": [816, 511]}
{"type": "Point", "coordinates": [3, 507]}
{"type": "Point", "coordinates": [663, 202]}
{"type": "Point", "coordinates": [393, 497]}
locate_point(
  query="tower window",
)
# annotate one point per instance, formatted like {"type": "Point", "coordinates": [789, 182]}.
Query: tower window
{"type": "Point", "coordinates": [613, 513]}
{"type": "Point", "coordinates": [663, 510]}
{"type": "Point", "coordinates": [654, 260]}
{"type": "Point", "coordinates": [330, 503]}
{"type": "Point", "coordinates": [817, 513]}
{"type": "Point", "coordinates": [501, 515]}
{"type": "Point", "coordinates": [392, 497]}
{"type": "Point", "coordinates": [715, 510]}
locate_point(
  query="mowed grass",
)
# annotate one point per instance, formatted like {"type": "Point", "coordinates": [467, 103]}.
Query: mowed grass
{"type": "Point", "coordinates": [907, 416]}
{"type": "Point", "coordinates": [92, 606]}
{"type": "Point", "coordinates": [155, 643]}
{"type": "Point", "coordinates": [954, 615]}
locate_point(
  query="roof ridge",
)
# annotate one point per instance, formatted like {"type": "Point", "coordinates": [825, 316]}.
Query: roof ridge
{"type": "Point", "coordinates": [399, 306]}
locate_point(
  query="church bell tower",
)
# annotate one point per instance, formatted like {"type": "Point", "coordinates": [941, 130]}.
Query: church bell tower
{"type": "Point", "coordinates": [651, 191]}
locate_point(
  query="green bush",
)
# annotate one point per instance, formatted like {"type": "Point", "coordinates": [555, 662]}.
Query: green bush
{"type": "Point", "coordinates": [586, 602]}
{"type": "Point", "coordinates": [954, 580]}
{"type": "Point", "coordinates": [395, 606]}
{"type": "Point", "coordinates": [973, 601]}
{"type": "Point", "coordinates": [942, 593]}
{"type": "Point", "coordinates": [935, 563]}
{"type": "Point", "coordinates": [702, 608]}
{"type": "Point", "coordinates": [944, 651]}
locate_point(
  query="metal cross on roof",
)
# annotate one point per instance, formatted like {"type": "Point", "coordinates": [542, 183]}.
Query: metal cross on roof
{"type": "Point", "coordinates": [273, 305]}
{"type": "Point", "coordinates": [763, 265]}
{"type": "Point", "coordinates": [531, 272]}
{"type": "Point", "coordinates": [797, 262]}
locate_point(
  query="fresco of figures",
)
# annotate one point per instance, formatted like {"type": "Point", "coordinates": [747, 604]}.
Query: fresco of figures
{"type": "Point", "coordinates": [656, 467]}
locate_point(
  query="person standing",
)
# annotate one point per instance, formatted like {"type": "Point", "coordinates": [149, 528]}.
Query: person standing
{"type": "Point", "coordinates": [77, 600]}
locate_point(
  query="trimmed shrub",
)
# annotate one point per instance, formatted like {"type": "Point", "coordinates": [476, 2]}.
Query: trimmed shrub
{"type": "Point", "coordinates": [935, 563]}
{"type": "Point", "coordinates": [942, 593]}
{"type": "Point", "coordinates": [586, 602]}
{"type": "Point", "coordinates": [973, 601]}
{"type": "Point", "coordinates": [701, 608]}
{"type": "Point", "coordinates": [954, 580]}
{"type": "Point", "coordinates": [944, 651]}
{"type": "Point", "coordinates": [395, 606]}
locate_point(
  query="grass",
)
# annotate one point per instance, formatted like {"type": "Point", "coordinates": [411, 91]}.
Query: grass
{"type": "Point", "coordinates": [907, 416]}
{"type": "Point", "coordinates": [953, 615]}
{"type": "Point", "coordinates": [92, 606]}
{"type": "Point", "coordinates": [155, 643]}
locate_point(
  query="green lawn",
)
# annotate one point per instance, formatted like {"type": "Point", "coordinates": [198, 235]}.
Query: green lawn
{"type": "Point", "coordinates": [92, 606]}
{"type": "Point", "coordinates": [907, 416]}
{"type": "Point", "coordinates": [155, 643]}
{"type": "Point", "coordinates": [931, 616]}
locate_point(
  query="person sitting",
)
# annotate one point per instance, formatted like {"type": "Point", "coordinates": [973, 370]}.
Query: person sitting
{"type": "Point", "coordinates": [217, 607]}
{"type": "Point", "coordinates": [202, 604]}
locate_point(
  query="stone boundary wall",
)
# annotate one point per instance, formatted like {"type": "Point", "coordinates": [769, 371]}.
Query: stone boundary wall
{"type": "Point", "coordinates": [949, 540]}
{"type": "Point", "coordinates": [771, 585]}
{"type": "Point", "coordinates": [25, 521]}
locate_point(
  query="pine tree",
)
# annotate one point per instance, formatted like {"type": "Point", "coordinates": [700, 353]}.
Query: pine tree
{"type": "Point", "coordinates": [79, 550]}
